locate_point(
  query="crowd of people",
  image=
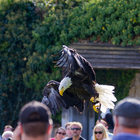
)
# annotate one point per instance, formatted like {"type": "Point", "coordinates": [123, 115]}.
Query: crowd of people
{"type": "Point", "coordinates": [35, 123]}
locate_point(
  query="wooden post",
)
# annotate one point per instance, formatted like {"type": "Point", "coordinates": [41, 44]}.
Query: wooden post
{"type": "Point", "coordinates": [87, 121]}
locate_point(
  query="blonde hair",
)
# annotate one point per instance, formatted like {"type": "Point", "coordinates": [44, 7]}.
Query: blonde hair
{"type": "Point", "coordinates": [69, 123]}
{"type": "Point", "coordinates": [76, 123]}
{"type": "Point", "coordinates": [102, 128]}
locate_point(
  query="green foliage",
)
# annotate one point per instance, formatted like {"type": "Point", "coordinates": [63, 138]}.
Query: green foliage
{"type": "Point", "coordinates": [25, 68]}
{"type": "Point", "coordinates": [121, 79]}
{"type": "Point", "coordinates": [29, 35]}
{"type": "Point", "coordinates": [63, 4]}
{"type": "Point", "coordinates": [116, 21]}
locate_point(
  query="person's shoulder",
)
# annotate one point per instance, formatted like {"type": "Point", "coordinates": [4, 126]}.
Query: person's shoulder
{"type": "Point", "coordinates": [110, 134]}
{"type": "Point", "coordinates": [81, 138]}
{"type": "Point", "coordinates": [124, 136]}
{"type": "Point", "coordinates": [66, 138]}
{"type": "Point", "coordinates": [108, 139]}
{"type": "Point", "coordinates": [91, 137]}
{"type": "Point", "coordinates": [69, 139]}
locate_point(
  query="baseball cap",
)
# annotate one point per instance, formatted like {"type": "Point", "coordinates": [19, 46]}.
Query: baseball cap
{"type": "Point", "coordinates": [34, 107]}
{"type": "Point", "coordinates": [128, 107]}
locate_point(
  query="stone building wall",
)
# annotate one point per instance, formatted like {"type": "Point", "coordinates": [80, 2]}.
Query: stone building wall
{"type": "Point", "coordinates": [135, 86]}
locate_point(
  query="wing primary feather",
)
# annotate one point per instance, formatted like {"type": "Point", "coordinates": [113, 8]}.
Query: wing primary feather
{"type": "Point", "coordinates": [65, 70]}
{"type": "Point", "coordinates": [59, 58]}
{"type": "Point", "coordinates": [65, 61]}
{"type": "Point", "coordinates": [62, 62]}
{"type": "Point", "coordinates": [52, 98]}
{"type": "Point", "coordinates": [57, 54]}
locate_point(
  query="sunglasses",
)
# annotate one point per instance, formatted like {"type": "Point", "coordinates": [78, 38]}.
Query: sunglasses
{"type": "Point", "coordinates": [61, 133]}
{"type": "Point", "coordinates": [100, 132]}
{"type": "Point", "coordinates": [76, 128]}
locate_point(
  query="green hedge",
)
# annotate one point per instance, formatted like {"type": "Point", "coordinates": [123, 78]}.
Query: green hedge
{"type": "Point", "coordinates": [29, 35]}
{"type": "Point", "coordinates": [115, 21]}
{"type": "Point", "coordinates": [24, 70]}
{"type": "Point", "coordinates": [16, 45]}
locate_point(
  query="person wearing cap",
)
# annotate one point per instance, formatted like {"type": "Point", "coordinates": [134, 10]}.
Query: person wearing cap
{"type": "Point", "coordinates": [76, 128]}
{"type": "Point", "coordinates": [35, 122]}
{"type": "Point", "coordinates": [126, 116]}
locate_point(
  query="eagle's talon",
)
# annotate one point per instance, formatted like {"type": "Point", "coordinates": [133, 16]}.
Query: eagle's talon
{"type": "Point", "coordinates": [92, 99]}
{"type": "Point", "coordinates": [95, 108]}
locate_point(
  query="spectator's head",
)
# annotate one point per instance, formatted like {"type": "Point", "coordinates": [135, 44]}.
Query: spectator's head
{"type": "Point", "coordinates": [127, 115]}
{"type": "Point", "coordinates": [102, 122]}
{"type": "Point", "coordinates": [7, 134]}
{"type": "Point", "coordinates": [35, 120]}
{"type": "Point", "coordinates": [68, 129]}
{"type": "Point", "coordinates": [100, 132]}
{"type": "Point", "coordinates": [109, 120]}
{"type": "Point", "coordinates": [76, 128]}
{"type": "Point", "coordinates": [8, 128]}
{"type": "Point", "coordinates": [60, 133]}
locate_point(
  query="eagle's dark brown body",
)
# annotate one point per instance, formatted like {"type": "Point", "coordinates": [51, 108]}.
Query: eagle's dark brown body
{"type": "Point", "coordinates": [83, 79]}
{"type": "Point", "coordinates": [82, 86]}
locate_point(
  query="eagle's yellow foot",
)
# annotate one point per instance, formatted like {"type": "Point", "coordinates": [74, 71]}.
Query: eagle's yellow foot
{"type": "Point", "coordinates": [92, 99]}
{"type": "Point", "coordinates": [95, 108]}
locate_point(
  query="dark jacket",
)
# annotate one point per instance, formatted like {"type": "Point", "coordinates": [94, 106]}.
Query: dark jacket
{"type": "Point", "coordinates": [81, 138]}
{"type": "Point", "coordinates": [124, 136]}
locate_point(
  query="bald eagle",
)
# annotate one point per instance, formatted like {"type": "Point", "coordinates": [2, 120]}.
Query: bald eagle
{"type": "Point", "coordinates": [80, 82]}
{"type": "Point", "coordinates": [55, 101]}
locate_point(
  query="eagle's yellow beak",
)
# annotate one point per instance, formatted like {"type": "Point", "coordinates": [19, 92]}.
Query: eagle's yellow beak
{"type": "Point", "coordinates": [61, 92]}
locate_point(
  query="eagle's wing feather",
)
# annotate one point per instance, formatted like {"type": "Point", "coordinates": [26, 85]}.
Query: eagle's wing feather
{"type": "Point", "coordinates": [73, 61]}
{"type": "Point", "coordinates": [54, 102]}
{"type": "Point", "coordinates": [87, 68]}
{"type": "Point", "coordinates": [61, 62]}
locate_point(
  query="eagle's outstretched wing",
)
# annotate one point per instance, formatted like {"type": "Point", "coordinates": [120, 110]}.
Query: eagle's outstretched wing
{"type": "Point", "coordinates": [54, 101]}
{"type": "Point", "coordinates": [70, 60]}
{"type": "Point", "coordinates": [52, 98]}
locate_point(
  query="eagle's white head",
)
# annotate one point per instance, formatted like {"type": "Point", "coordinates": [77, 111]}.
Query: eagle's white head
{"type": "Point", "coordinates": [64, 84]}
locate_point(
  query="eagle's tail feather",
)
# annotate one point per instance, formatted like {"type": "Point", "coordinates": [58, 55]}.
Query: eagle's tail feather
{"type": "Point", "coordinates": [106, 96]}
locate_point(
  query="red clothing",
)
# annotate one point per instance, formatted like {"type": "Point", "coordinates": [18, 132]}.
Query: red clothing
{"type": "Point", "coordinates": [52, 139]}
